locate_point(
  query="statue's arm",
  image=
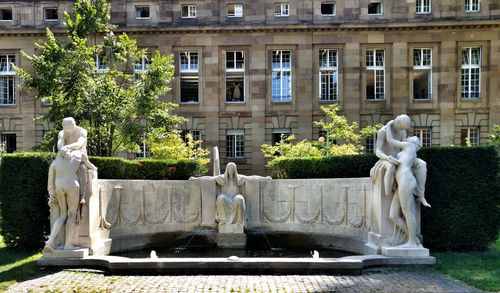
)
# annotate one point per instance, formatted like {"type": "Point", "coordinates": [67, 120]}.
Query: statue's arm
{"type": "Point", "coordinates": [391, 140]}
{"type": "Point", "coordinates": [60, 140]}
{"type": "Point", "coordinates": [381, 134]}
{"type": "Point", "coordinates": [256, 177]}
{"type": "Point", "coordinates": [80, 143]}
{"type": "Point", "coordinates": [51, 187]}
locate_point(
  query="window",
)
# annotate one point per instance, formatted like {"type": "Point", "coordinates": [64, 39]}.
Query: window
{"type": "Point", "coordinates": [282, 76]}
{"type": "Point", "coordinates": [422, 74]}
{"type": "Point", "coordinates": [235, 144]}
{"type": "Point", "coordinates": [189, 77]}
{"type": "Point", "coordinates": [469, 136]}
{"type": "Point", "coordinates": [143, 152]}
{"type": "Point", "coordinates": [100, 65]}
{"type": "Point", "coordinates": [141, 66]}
{"type": "Point", "coordinates": [471, 5]}
{"type": "Point", "coordinates": [471, 73]}
{"type": "Point", "coordinates": [327, 9]}
{"type": "Point", "coordinates": [425, 136]}
{"type": "Point", "coordinates": [196, 134]}
{"type": "Point", "coordinates": [5, 14]}
{"type": "Point", "coordinates": [142, 12]}
{"type": "Point", "coordinates": [375, 8]}
{"type": "Point", "coordinates": [370, 144]}
{"type": "Point", "coordinates": [9, 140]}
{"type": "Point", "coordinates": [235, 76]}
{"type": "Point", "coordinates": [279, 135]}
{"type": "Point", "coordinates": [423, 6]}
{"type": "Point", "coordinates": [328, 75]}
{"type": "Point", "coordinates": [280, 9]}
{"type": "Point", "coordinates": [375, 77]}
{"type": "Point", "coordinates": [188, 11]}
{"type": "Point", "coordinates": [7, 80]}
{"type": "Point", "coordinates": [323, 135]}
{"type": "Point", "coordinates": [50, 14]}
{"type": "Point", "coordinates": [235, 10]}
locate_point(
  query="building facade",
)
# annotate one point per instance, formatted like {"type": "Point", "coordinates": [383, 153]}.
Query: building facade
{"type": "Point", "coordinates": [249, 71]}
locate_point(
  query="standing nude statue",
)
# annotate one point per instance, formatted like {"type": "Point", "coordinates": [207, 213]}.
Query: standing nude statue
{"type": "Point", "coordinates": [69, 183]}
{"type": "Point", "coordinates": [407, 185]}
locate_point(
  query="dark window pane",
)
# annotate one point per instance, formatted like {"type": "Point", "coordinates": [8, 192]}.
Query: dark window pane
{"type": "Point", "coordinates": [6, 14]}
{"type": "Point", "coordinates": [327, 8]}
{"type": "Point", "coordinates": [51, 14]}
{"type": "Point", "coordinates": [421, 84]}
{"type": "Point", "coordinates": [189, 89]}
{"type": "Point", "coordinates": [9, 139]}
{"type": "Point", "coordinates": [235, 89]}
{"type": "Point", "coordinates": [370, 85]}
{"type": "Point", "coordinates": [375, 8]}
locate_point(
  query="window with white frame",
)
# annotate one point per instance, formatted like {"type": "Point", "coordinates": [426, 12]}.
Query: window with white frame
{"type": "Point", "coordinates": [281, 9]}
{"type": "Point", "coordinates": [100, 65]}
{"type": "Point", "coordinates": [7, 80]}
{"type": "Point", "coordinates": [235, 144]}
{"type": "Point", "coordinates": [141, 65]}
{"type": "Point", "coordinates": [472, 6]}
{"type": "Point", "coordinates": [422, 73]}
{"type": "Point", "coordinates": [375, 74]}
{"type": "Point", "coordinates": [469, 136]}
{"type": "Point", "coordinates": [328, 8]}
{"type": "Point", "coordinates": [188, 11]}
{"type": "Point", "coordinates": [189, 77]}
{"type": "Point", "coordinates": [235, 10]}
{"type": "Point", "coordinates": [282, 76]}
{"type": "Point", "coordinates": [144, 151]}
{"type": "Point", "coordinates": [471, 73]}
{"type": "Point", "coordinates": [8, 140]}
{"type": "Point", "coordinates": [423, 6]}
{"type": "Point", "coordinates": [50, 14]}
{"type": "Point", "coordinates": [235, 76]}
{"type": "Point", "coordinates": [280, 134]}
{"type": "Point", "coordinates": [5, 14]}
{"type": "Point", "coordinates": [324, 135]}
{"type": "Point", "coordinates": [424, 134]}
{"type": "Point", "coordinates": [328, 75]}
{"type": "Point", "coordinates": [370, 144]}
{"type": "Point", "coordinates": [375, 8]}
{"type": "Point", "coordinates": [142, 12]}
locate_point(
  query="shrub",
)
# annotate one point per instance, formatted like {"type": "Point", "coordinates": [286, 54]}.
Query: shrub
{"type": "Point", "coordinates": [24, 196]}
{"type": "Point", "coordinates": [462, 187]}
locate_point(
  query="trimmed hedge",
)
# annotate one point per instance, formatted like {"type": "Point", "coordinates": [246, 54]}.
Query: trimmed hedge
{"type": "Point", "coordinates": [24, 196]}
{"type": "Point", "coordinates": [462, 187]}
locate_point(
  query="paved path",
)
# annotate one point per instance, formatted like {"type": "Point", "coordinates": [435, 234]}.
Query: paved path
{"type": "Point", "coordinates": [374, 281]}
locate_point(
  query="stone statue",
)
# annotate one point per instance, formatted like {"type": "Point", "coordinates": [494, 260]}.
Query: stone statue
{"type": "Point", "coordinates": [385, 182]}
{"type": "Point", "coordinates": [69, 182]}
{"type": "Point", "coordinates": [406, 189]}
{"type": "Point", "coordinates": [230, 203]}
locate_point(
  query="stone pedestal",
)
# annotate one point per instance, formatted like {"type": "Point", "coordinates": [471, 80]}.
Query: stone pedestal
{"type": "Point", "coordinates": [231, 228]}
{"type": "Point", "coordinates": [231, 240]}
{"type": "Point", "coordinates": [405, 251]}
{"type": "Point", "coordinates": [59, 257]}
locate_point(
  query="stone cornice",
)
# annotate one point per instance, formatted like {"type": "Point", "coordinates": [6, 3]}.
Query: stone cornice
{"type": "Point", "coordinates": [214, 29]}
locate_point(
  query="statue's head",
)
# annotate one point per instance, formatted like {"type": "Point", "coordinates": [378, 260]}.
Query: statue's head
{"type": "Point", "coordinates": [416, 141]}
{"type": "Point", "coordinates": [402, 122]}
{"type": "Point", "coordinates": [231, 170]}
{"type": "Point", "coordinates": [68, 124]}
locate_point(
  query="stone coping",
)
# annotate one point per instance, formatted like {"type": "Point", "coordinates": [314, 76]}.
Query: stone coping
{"type": "Point", "coordinates": [344, 265]}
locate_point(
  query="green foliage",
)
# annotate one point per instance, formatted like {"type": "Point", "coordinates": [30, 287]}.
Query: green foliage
{"type": "Point", "coordinates": [116, 107]}
{"type": "Point", "coordinates": [169, 145]}
{"type": "Point", "coordinates": [24, 196]}
{"type": "Point", "coordinates": [348, 139]}
{"type": "Point", "coordinates": [462, 187]}
{"type": "Point", "coordinates": [494, 137]}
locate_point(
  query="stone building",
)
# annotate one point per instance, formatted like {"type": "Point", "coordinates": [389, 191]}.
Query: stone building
{"type": "Point", "coordinates": [249, 71]}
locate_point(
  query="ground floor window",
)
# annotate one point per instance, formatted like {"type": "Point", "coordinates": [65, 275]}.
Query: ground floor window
{"type": "Point", "coordinates": [425, 136]}
{"type": "Point", "coordinates": [235, 144]}
{"type": "Point", "coordinates": [469, 136]}
{"type": "Point", "coordinates": [9, 141]}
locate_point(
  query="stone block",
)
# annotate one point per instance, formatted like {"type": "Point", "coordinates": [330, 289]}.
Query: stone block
{"type": "Point", "coordinates": [405, 251]}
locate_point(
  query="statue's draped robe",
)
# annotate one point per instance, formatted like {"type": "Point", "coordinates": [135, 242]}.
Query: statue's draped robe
{"type": "Point", "coordinates": [230, 203]}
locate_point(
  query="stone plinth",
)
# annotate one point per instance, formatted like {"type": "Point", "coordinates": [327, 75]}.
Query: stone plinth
{"type": "Point", "coordinates": [231, 228]}
{"type": "Point", "coordinates": [59, 257]}
{"type": "Point", "coordinates": [405, 251]}
{"type": "Point", "coordinates": [231, 240]}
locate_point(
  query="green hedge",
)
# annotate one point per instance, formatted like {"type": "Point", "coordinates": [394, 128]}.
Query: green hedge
{"type": "Point", "coordinates": [24, 196]}
{"type": "Point", "coordinates": [462, 187]}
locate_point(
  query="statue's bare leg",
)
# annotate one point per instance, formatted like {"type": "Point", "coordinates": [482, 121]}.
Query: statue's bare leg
{"type": "Point", "coordinates": [87, 163]}
{"type": "Point", "coordinates": [408, 206]}
{"type": "Point", "coordinates": [73, 200]}
{"type": "Point", "coordinates": [59, 222]}
{"type": "Point", "coordinates": [395, 216]}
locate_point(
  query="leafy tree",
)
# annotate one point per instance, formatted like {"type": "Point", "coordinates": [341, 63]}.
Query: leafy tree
{"type": "Point", "coordinates": [117, 107]}
{"type": "Point", "coordinates": [170, 145]}
{"type": "Point", "coordinates": [343, 138]}
{"type": "Point", "coordinates": [494, 137]}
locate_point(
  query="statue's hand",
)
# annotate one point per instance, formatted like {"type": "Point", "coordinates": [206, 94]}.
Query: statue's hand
{"type": "Point", "coordinates": [393, 160]}
{"type": "Point", "coordinates": [268, 178]}
{"type": "Point", "coordinates": [52, 199]}
{"type": "Point", "coordinates": [192, 178]}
